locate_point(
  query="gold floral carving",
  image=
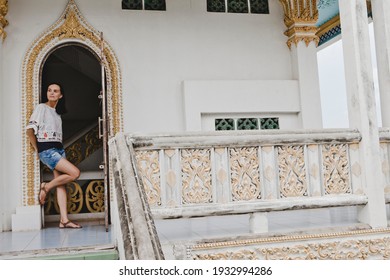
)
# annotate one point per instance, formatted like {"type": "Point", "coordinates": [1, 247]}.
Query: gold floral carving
{"type": "Point", "coordinates": [196, 176]}
{"type": "Point", "coordinates": [92, 141]}
{"type": "Point", "coordinates": [3, 20]}
{"type": "Point", "coordinates": [148, 166]}
{"type": "Point", "coordinates": [300, 17]}
{"type": "Point", "coordinates": [69, 28]}
{"type": "Point", "coordinates": [94, 196]}
{"type": "Point", "coordinates": [335, 169]}
{"type": "Point", "coordinates": [74, 153]}
{"type": "Point", "coordinates": [75, 199]}
{"type": "Point", "coordinates": [244, 169]}
{"type": "Point", "coordinates": [292, 171]}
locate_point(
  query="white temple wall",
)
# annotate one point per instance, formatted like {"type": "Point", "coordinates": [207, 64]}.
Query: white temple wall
{"type": "Point", "coordinates": [13, 49]}
{"type": "Point", "coordinates": [2, 161]}
{"type": "Point", "coordinates": [158, 53]}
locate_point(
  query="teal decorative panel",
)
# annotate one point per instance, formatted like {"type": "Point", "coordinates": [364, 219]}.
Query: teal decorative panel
{"type": "Point", "coordinates": [330, 34]}
{"type": "Point", "coordinates": [224, 124]}
{"type": "Point", "coordinates": [247, 124]}
{"type": "Point", "coordinates": [155, 5]}
{"type": "Point", "coordinates": [217, 6]}
{"type": "Point", "coordinates": [259, 6]}
{"type": "Point", "coordinates": [269, 123]}
{"type": "Point", "coordinates": [238, 6]}
{"type": "Point", "coordinates": [132, 4]}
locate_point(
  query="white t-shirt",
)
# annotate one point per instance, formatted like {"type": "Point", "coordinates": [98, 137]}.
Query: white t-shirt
{"type": "Point", "coordinates": [47, 124]}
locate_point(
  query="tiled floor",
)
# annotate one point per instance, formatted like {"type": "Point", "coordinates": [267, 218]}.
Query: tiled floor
{"type": "Point", "coordinates": [53, 237]}
{"type": "Point", "coordinates": [181, 229]}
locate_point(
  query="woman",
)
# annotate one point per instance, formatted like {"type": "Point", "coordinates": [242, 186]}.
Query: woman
{"type": "Point", "coordinates": [44, 131]}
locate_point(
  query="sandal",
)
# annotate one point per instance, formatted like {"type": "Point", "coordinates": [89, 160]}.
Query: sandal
{"type": "Point", "coordinates": [42, 189]}
{"type": "Point", "coordinates": [66, 225]}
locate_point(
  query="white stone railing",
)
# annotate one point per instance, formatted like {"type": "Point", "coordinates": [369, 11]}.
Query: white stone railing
{"type": "Point", "coordinates": [384, 135]}
{"type": "Point", "coordinates": [201, 174]}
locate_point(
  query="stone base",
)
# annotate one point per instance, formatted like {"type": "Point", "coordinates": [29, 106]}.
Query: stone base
{"type": "Point", "coordinates": [27, 218]}
{"type": "Point", "coordinates": [258, 222]}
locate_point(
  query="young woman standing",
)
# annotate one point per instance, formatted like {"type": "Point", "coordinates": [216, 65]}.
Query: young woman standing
{"type": "Point", "coordinates": [44, 131]}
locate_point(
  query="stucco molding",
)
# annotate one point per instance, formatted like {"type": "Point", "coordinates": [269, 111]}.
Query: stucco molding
{"type": "Point", "coordinates": [300, 17]}
{"type": "Point", "coordinates": [3, 21]}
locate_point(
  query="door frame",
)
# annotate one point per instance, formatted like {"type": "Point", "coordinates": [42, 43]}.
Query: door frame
{"type": "Point", "coordinates": [72, 28]}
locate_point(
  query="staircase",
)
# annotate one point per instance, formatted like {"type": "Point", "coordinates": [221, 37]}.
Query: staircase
{"type": "Point", "coordinates": [89, 253]}
{"type": "Point", "coordinates": [203, 175]}
{"type": "Point", "coordinates": [83, 149]}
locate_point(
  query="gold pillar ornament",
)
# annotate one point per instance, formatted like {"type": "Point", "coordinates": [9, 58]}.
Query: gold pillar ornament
{"type": "Point", "coordinates": [300, 17]}
{"type": "Point", "coordinates": [3, 20]}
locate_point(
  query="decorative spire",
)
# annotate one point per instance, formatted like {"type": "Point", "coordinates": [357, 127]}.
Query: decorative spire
{"type": "Point", "coordinates": [300, 17]}
{"type": "Point", "coordinates": [3, 20]}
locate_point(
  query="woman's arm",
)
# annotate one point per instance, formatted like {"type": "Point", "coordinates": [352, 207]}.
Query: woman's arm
{"type": "Point", "coordinates": [32, 138]}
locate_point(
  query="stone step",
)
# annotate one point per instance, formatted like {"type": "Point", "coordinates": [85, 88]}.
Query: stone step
{"type": "Point", "coordinates": [79, 253]}
{"type": "Point", "coordinates": [357, 244]}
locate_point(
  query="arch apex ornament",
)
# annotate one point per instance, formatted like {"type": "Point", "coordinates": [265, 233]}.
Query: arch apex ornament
{"type": "Point", "coordinates": [300, 17]}
{"type": "Point", "coordinates": [3, 20]}
{"type": "Point", "coordinates": [71, 27]}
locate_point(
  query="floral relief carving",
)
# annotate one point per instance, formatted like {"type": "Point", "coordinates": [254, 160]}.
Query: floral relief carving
{"type": "Point", "coordinates": [292, 171]}
{"type": "Point", "coordinates": [245, 178]}
{"type": "Point", "coordinates": [338, 250]}
{"type": "Point", "coordinates": [335, 169]}
{"type": "Point", "coordinates": [240, 255]}
{"type": "Point", "coordinates": [149, 168]}
{"type": "Point", "coordinates": [196, 176]}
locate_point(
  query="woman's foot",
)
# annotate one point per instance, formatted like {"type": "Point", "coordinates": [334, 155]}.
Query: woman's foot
{"type": "Point", "coordinates": [42, 194]}
{"type": "Point", "coordinates": [69, 224]}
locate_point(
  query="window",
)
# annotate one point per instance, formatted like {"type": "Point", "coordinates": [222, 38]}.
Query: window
{"type": "Point", "coordinates": [246, 123]}
{"type": "Point", "coordinates": [151, 5]}
{"type": "Point", "coordinates": [238, 6]}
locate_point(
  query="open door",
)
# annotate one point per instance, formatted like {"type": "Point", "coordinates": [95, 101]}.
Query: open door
{"type": "Point", "coordinates": [78, 69]}
{"type": "Point", "coordinates": [104, 134]}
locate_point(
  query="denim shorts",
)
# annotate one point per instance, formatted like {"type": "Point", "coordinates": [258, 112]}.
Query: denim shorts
{"type": "Point", "coordinates": [51, 157]}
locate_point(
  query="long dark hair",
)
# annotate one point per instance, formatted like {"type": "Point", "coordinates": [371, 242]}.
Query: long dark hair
{"type": "Point", "coordinates": [60, 107]}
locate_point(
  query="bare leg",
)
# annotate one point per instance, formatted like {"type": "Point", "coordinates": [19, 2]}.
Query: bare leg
{"type": "Point", "coordinates": [64, 173]}
{"type": "Point", "coordinates": [61, 199]}
{"type": "Point", "coordinates": [67, 173]}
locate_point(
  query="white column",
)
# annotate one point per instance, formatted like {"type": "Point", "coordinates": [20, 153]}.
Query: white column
{"type": "Point", "coordinates": [305, 70]}
{"type": "Point", "coordinates": [361, 106]}
{"type": "Point", "coordinates": [2, 196]}
{"type": "Point", "coordinates": [381, 11]}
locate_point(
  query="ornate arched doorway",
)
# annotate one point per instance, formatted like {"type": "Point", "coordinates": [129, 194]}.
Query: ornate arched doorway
{"type": "Point", "coordinates": [77, 69]}
{"type": "Point", "coordinates": [70, 31]}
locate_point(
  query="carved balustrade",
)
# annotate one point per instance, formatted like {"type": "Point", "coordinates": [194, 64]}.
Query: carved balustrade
{"type": "Point", "coordinates": [201, 174]}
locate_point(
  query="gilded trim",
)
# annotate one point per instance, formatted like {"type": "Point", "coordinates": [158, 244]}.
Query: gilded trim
{"type": "Point", "coordinates": [330, 24]}
{"type": "Point", "coordinates": [300, 17]}
{"type": "Point", "coordinates": [71, 27]}
{"type": "Point", "coordinates": [289, 238]}
{"type": "Point", "coordinates": [3, 21]}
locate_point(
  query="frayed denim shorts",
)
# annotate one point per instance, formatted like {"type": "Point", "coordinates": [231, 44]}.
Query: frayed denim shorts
{"type": "Point", "coordinates": [51, 157]}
